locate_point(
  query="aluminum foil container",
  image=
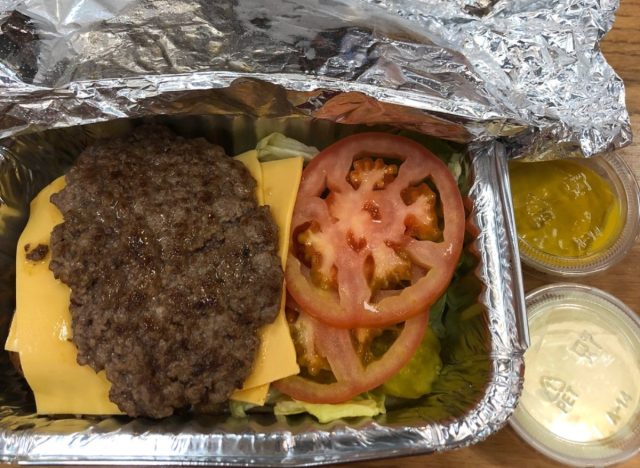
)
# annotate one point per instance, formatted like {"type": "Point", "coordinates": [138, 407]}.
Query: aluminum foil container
{"type": "Point", "coordinates": [499, 78]}
{"type": "Point", "coordinates": [482, 353]}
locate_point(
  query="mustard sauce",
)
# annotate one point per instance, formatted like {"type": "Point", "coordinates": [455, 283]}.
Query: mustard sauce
{"type": "Point", "coordinates": [564, 208]}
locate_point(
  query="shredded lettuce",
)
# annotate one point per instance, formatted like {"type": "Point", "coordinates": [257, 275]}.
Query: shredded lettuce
{"type": "Point", "coordinates": [436, 316]}
{"type": "Point", "coordinates": [239, 409]}
{"type": "Point", "coordinates": [277, 146]}
{"type": "Point", "coordinates": [458, 165]}
{"type": "Point", "coordinates": [452, 154]}
{"type": "Point", "coordinates": [463, 292]}
{"type": "Point", "coordinates": [368, 405]}
{"type": "Point", "coordinates": [455, 167]}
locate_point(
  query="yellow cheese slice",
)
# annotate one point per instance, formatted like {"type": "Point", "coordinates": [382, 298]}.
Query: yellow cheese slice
{"type": "Point", "coordinates": [276, 356]}
{"type": "Point", "coordinates": [43, 326]}
{"type": "Point", "coordinates": [280, 183]}
{"type": "Point", "coordinates": [254, 395]}
{"type": "Point", "coordinates": [6, 213]}
{"type": "Point", "coordinates": [12, 338]}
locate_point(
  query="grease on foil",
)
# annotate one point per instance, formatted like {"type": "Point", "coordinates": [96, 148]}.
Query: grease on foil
{"type": "Point", "coordinates": [503, 68]}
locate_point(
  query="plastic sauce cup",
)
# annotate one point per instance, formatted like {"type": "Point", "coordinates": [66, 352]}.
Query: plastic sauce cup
{"type": "Point", "coordinates": [580, 403]}
{"type": "Point", "coordinates": [623, 184]}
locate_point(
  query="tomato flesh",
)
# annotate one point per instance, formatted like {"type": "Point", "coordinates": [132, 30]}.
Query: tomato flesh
{"type": "Point", "coordinates": [368, 250]}
{"type": "Point", "coordinates": [352, 377]}
{"type": "Point", "coordinates": [374, 220]}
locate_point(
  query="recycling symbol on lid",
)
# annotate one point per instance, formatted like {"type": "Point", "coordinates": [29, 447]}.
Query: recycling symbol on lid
{"type": "Point", "coordinates": [552, 387]}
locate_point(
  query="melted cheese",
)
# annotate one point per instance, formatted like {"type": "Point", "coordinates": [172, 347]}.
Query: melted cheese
{"type": "Point", "coordinates": [276, 356]}
{"type": "Point", "coordinates": [254, 395]}
{"type": "Point", "coordinates": [12, 338]}
{"type": "Point", "coordinates": [41, 327]}
{"type": "Point", "coordinates": [7, 213]}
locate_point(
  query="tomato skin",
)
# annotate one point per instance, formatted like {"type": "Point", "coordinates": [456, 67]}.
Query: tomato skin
{"type": "Point", "coordinates": [351, 304]}
{"type": "Point", "coordinates": [352, 378]}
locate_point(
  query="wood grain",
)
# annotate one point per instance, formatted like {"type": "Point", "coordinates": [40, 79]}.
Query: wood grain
{"type": "Point", "coordinates": [505, 449]}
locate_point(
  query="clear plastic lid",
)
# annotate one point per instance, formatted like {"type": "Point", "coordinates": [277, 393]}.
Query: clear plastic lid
{"type": "Point", "coordinates": [580, 403]}
{"type": "Point", "coordinates": [618, 175]}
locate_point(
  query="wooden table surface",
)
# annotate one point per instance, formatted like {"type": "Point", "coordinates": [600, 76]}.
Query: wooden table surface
{"type": "Point", "coordinates": [505, 449]}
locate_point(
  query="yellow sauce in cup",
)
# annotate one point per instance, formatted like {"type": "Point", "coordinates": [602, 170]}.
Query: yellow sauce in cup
{"type": "Point", "coordinates": [564, 208]}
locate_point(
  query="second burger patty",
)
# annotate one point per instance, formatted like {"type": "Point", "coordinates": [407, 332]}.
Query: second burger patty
{"type": "Point", "coordinates": [172, 265]}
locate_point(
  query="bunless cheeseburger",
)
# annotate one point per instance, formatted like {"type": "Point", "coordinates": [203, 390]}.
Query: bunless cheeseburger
{"type": "Point", "coordinates": [150, 277]}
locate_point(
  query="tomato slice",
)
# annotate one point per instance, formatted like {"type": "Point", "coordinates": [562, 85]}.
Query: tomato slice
{"type": "Point", "coordinates": [352, 377]}
{"type": "Point", "coordinates": [361, 255]}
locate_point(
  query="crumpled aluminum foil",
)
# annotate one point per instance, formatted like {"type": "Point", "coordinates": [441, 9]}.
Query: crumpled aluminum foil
{"type": "Point", "coordinates": [482, 351]}
{"type": "Point", "coordinates": [527, 72]}
{"type": "Point", "coordinates": [532, 68]}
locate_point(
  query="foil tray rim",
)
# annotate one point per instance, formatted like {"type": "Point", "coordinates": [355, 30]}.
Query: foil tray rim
{"type": "Point", "coordinates": [491, 412]}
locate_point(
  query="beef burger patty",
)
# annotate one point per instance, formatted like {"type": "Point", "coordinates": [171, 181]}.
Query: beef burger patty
{"type": "Point", "coordinates": [173, 268]}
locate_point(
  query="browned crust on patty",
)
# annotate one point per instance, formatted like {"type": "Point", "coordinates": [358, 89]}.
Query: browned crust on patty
{"type": "Point", "coordinates": [172, 265]}
{"type": "Point", "coordinates": [37, 253]}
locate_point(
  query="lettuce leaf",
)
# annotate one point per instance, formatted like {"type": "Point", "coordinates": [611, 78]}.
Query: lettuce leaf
{"type": "Point", "coordinates": [239, 409]}
{"type": "Point", "coordinates": [368, 405]}
{"type": "Point", "coordinates": [277, 146]}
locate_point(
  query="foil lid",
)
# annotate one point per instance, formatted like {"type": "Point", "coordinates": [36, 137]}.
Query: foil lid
{"type": "Point", "coordinates": [472, 70]}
